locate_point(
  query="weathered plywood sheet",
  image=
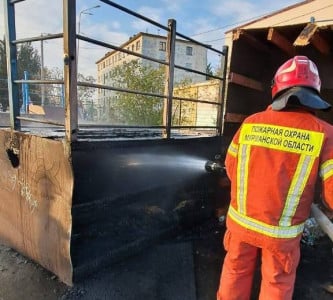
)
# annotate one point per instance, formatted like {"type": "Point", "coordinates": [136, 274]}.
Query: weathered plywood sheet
{"type": "Point", "coordinates": [36, 188]}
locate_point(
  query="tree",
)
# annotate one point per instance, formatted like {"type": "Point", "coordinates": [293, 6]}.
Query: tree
{"type": "Point", "coordinates": [54, 93]}
{"type": "Point", "coordinates": [85, 95]}
{"type": "Point", "coordinates": [28, 60]}
{"type": "Point", "coordinates": [209, 71]}
{"type": "Point", "coordinates": [135, 109]}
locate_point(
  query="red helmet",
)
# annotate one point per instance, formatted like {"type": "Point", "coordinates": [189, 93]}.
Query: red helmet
{"type": "Point", "coordinates": [297, 71]}
{"type": "Point", "coordinates": [298, 80]}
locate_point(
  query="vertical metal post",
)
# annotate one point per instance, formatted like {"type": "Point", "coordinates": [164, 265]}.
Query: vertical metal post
{"type": "Point", "coordinates": [11, 51]}
{"type": "Point", "coordinates": [42, 70]}
{"type": "Point", "coordinates": [62, 96]}
{"type": "Point", "coordinates": [171, 49]}
{"type": "Point", "coordinates": [221, 112]}
{"type": "Point", "coordinates": [26, 93]}
{"type": "Point", "coordinates": [70, 70]}
{"type": "Point", "coordinates": [22, 109]}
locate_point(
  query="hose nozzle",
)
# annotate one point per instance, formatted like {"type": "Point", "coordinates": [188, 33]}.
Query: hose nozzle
{"type": "Point", "coordinates": [214, 167]}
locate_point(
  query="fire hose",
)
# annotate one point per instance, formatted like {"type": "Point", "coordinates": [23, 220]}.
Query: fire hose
{"type": "Point", "coordinates": [323, 221]}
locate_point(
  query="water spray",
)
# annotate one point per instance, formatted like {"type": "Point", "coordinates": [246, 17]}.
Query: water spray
{"type": "Point", "coordinates": [180, 163]}
{"type": "Point", "coordinates": [177, 162]}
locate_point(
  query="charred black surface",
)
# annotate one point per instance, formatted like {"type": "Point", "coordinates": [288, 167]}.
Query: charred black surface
{"type": "Point", "coordinates": [131, 194]}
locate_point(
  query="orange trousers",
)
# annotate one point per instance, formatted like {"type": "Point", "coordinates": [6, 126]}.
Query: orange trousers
{"type": "Point", "coordinates": [278, 271]}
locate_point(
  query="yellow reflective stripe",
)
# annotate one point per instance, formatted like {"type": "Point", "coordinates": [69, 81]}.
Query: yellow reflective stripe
{"type": "Point", "coordinates": [326, 169]}
{"type": "Point", "coordinates": [296, 189]}
{"type": "Point", "coordinates": [263, 228]}
{"type": "Point", "coordinates": [242, 177]}
{"type": "Point", "coordinates": [282, 138]}
{"type": "Point", "coordinates": [233, 149]}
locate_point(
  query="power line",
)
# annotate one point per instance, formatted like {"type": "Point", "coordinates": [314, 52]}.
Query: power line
{"type": "Point", "coordinates": [229, 25]}
{"type": "Point", "coordinates": [258, 17]}
{"type": "Point", "coordinates": [279, 23]}
{"type": "Point", "coordinates": [216, 40]}
{"type": "Point", "coordinates": [309, 13]}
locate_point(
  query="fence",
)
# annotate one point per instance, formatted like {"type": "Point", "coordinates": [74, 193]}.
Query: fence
{"type": "Point", "coordinates": [172, 105]}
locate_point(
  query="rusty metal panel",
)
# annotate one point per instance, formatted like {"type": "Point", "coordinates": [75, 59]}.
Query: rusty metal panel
{"type": "Point", "coordinates": [36, 185]}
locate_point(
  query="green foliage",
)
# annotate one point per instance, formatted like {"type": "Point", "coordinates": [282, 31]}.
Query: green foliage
{"type": "Point", "coordinates": [53, 92]}
{"type": "Point", "coordinates": [209, 71]}
{"type": "Point", "coordinates": [135, 109]}
{"type": "Point", "coordinates": [84, 94]}
{"type": "Point", "coordinates": [85, 98]}
{"type": "Point", "coordinates": [28, 60]}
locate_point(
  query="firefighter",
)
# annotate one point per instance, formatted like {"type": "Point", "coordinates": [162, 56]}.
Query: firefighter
{"type": "Point", "coordinates": [273, 163]}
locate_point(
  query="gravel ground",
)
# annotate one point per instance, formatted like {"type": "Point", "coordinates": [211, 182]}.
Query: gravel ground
{"type": "Point", "coordinates": [171, 270]}
{"type": "Point", "coordinates": [186, 268]}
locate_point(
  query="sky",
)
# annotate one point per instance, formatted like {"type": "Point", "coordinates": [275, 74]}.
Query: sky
{"type": "Point", "coordinates": [205, 21]}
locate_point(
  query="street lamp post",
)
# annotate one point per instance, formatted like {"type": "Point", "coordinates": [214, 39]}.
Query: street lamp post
{"type": "Point", "coordinates": [83, 12]}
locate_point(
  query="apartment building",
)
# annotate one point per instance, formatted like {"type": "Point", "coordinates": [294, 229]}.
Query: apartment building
{"type": "Point", "coordinates": [187, 54]}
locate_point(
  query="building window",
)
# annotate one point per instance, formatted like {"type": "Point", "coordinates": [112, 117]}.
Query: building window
{"type": "Point", "coordinates": [137, 45]}
{"type": "Point", "coordinates": [162, 46]}
{"type": "Point", "coordinates": [189, 51]}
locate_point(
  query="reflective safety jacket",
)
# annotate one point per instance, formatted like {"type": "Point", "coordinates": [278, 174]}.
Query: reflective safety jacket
{"type": "Point", "coordinates": [273, 163]}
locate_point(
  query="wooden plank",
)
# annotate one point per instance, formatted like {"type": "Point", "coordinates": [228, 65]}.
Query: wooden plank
{"type": "Point", "coordinates": [306, 34]}
{"type": "Point", "coordinates": [310, 34]}
{"type": "Point", "coordinates": [36, 186]}
{"type": "Point", "coordinates": [245, 81]}
{"type": "Point", "coordinates": [234, 118]}
{"type": "Point", "coordinates": [36, 109]}
{"type": "Point", "coordinates": [251, 40]}
{"type": "Point", "coordinates": [280, 41]}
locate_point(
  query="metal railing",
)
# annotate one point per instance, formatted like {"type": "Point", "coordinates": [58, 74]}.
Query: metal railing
{"type": "Point", "coordinates": [70, 82]}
